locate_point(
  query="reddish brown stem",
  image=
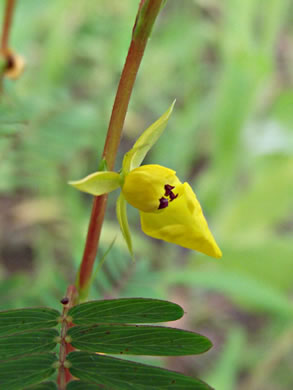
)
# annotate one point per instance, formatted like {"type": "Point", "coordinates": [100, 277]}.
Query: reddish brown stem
{"type": "Point", "coordinates": [4, 50]}
{"type": "Point", "coordinates": [127, 79]}
{"type": "Point", "coordinates": [120, 106]}
{"type": "Point", "coordinates": [64, 375]}
{"type": "Point", "coordinates": [136, 50]}
{"type": "Point", "coordinates": [91, 245]}
{"type": "Point", "coordinates": [8, 14]}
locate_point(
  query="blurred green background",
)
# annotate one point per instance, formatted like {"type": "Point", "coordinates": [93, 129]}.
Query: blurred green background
{"type": "Point", "coordinates": [230, 66]}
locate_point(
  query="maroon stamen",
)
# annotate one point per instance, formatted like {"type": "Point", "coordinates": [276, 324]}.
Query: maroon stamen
{"type": "Point", "coordinates": [163, 203]}
{"type": "Point", "coordinates": [169, 192]}
{"type": "Point", "coordinates": [172, 196]}
{"type": "Point", "coordinates": [168, 189]}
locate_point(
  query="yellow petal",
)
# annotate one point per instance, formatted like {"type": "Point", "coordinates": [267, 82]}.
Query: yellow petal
{"type": "Point", "coordinates": [182, 223]}
{"type": "Point", "coordinates": [144, 186]}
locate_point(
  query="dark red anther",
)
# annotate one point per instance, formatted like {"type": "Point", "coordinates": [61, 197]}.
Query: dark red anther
{"type": "Point", "coordinates": [169, 192]}
{"type": "Point", "coordinates": [64, 301]}
{"type": "Point", "coordinates": [172, 196]}
{"type": "Point", "coordinates": [168, 189]}
{"type": "Point", "coordinates": [163, 203]}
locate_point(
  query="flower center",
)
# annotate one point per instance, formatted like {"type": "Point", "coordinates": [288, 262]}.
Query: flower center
{"type": "Point", "coordinates": [168, 197]}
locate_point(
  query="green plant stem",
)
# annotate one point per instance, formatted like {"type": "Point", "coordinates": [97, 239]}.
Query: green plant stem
{"type": "Point", "coordinates": [147, 14]}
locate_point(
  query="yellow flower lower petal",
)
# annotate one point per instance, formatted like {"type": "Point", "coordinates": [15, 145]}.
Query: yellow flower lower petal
{"type": "Point", "coordinates": [182, 223]}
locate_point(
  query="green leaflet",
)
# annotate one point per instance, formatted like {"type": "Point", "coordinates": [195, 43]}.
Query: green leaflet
{"type": "Point", "coordinates": [138, 340]}
{"type": "Point", "coordinates": [17, 374]}
{"type": "Point", "coordinates": [81, 385]}
{"type": "Point", "coordinates": [121, 212]}
{"type": "Point", "coordinates": [145, 142]}
{"type": "Point", "coordinates": [44, 386]}
{"type": "Point", "coordinates": [125, 310]}
{"type": "Point", "coordinates": [118, 374]}
{"type": "Point", "coordinates": [98, 183]}
{"type": "Point", "coordinates": [42, 340]}
{"type": "Point", "coordinates": [19, 320]}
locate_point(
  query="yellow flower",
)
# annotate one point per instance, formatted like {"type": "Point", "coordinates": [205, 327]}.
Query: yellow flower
{"type": "Point", "coordinates": [169, 210]}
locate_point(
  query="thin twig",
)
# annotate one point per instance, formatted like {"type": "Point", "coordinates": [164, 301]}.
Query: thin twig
{"type": "Point", "coordinates": [8, 14]}
{"type": "Point", "coordinates": [7, 22]}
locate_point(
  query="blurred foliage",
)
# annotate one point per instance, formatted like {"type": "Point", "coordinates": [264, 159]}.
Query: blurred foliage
{"type": "Point", "coordinates": [229, 64]}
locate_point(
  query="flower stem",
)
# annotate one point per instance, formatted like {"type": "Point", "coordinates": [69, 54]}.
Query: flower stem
{"type": "Point", "coordinates": [146, 16]}
{"type": "Point", "coordinates": [7, 23]}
